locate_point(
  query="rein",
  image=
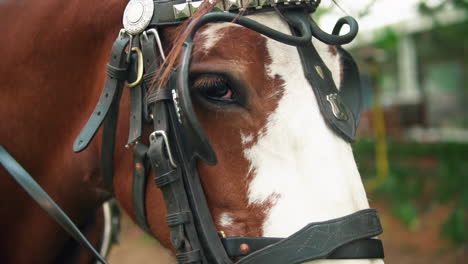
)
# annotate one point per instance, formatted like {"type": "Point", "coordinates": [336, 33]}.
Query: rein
{"type": "Point", "coordinates": [178, 140]}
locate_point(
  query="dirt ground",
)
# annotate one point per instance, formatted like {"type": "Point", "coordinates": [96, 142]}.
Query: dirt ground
{"type": "Point", "coordinates": [420, 245]}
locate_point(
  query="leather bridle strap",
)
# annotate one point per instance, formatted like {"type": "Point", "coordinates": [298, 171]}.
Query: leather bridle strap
{"type": "Point", "coordinates": [321, 79]}
{"type": "Point", "coordinates": [319, 240]}
{"type": "Point", "coordinates": [107, 110]}
{"type": "Point", "coordinates": [116, 76]}
{"type": "Point", "coordinates": [360, 249]}
{"type": "Point", "coordinates": [140, 174]}
{"type": "Point", "coordinates": [44, 200]}
{"type": "Point", "coordinates": [168, 177]}
{"type": "Point", "coordinates": [140, 159]}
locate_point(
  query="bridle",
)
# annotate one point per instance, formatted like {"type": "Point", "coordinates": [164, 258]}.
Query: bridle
{"type": "Point", "coordinates": [178, 140]}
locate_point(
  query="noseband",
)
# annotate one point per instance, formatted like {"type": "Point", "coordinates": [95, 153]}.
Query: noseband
{"type": "Point", "coordinates": [178, 139]}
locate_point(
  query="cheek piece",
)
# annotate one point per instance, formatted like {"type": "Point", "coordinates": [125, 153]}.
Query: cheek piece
{"type": "Point", "coordinates": [178, 139]}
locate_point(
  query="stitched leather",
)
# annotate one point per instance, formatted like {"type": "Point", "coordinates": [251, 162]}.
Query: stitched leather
{"type": "Point", "coordinates": [359, 249]}
{"type": "Point", "coordinates": [317, 240]}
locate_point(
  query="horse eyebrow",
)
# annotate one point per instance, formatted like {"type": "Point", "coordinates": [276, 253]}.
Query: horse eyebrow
{"type": "Point", "coordinates": [217, 66]}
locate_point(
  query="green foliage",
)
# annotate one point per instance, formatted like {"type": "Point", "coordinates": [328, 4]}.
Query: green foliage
{"type": "Point", "coordinates": [422, 175]}
{"type": "Point", "coordinates": [455, 227]}
{"type": "Point", "coordinates": [407, 212]}
{"type": "Point", "coordinates": [431, 10]}
{"type": "Point", "coordinates": [386, 39]}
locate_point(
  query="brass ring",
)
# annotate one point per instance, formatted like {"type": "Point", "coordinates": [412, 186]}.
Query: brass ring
{"type": "Point", "coordinates": [140, 68]}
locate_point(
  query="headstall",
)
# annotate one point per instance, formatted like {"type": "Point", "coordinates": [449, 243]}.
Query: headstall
{"type": "Point", "coordinates": [178, 139]}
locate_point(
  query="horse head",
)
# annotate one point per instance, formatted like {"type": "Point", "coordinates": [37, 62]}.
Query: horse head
{"type": "Point", "coordinates": [237, 140]}
{"type": "Point", "coordinates": [263, 117]}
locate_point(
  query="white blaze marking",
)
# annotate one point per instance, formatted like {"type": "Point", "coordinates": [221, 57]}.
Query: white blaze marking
{"type": "Point", "coordinates": [298, 157]}
{"type": "Point", "coordinates": [246, 139]}
{"type": "Point", "coordinates": [212, 34]}
{"type": "Point", "coordinates": [225, 220]}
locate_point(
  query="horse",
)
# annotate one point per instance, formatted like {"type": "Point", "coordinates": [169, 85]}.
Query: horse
{"type": "Point", "coordinates": [248, 106]}
{"type": "Point", "coordinates": [50, 75]}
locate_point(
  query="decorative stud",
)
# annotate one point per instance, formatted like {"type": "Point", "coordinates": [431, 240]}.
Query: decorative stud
{"type": "Point", "coordinates": [219, 7]}
{"type": "Point", "coordinates": [181, 11]}
{"type": "Point", "coordinates": [175, 98]}
{"type": "Point", "coordinates": [222, 234]}
{"type": "Point", "coordinates": [249, 3]}
{"type": "Point", "coordinates": [338, 107]}
{"type": "Point", "coordinates": [139, 167]}
{"type": "Point", "coordinates": [194, 6]}
{"type": "Point", "coordinates": [232, 4]}
{"type": "Point", "coordinates": [264, 3]}
{"type": "Point", "coordinates": [244, 248]}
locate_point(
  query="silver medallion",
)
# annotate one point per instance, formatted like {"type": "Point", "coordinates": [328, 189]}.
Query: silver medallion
{"type": "Point", "coordinates": [138, 15]}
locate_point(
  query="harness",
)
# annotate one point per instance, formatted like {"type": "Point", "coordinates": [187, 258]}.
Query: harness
{"type": "Point", "coordinates": [178, 140]}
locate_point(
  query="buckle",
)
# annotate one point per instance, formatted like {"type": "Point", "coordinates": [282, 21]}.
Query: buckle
{"type": "Point", "coordinates": [153, 137]}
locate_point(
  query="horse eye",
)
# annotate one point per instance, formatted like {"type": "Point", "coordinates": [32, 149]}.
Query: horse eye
{"type": "Point", "coordinates": [214, 87]}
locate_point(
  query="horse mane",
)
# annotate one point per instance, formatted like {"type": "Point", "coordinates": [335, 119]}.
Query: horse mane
{"type": "Point", "coordinates": [162, 75]}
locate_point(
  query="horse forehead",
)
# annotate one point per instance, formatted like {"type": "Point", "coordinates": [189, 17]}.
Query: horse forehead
{"type": "Point", "coordinates": [211, 34]}
{"type": "Point", "coordinates": [230, 39]}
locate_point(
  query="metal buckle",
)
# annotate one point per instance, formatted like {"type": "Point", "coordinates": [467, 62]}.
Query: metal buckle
{"type": "Point", "coordinates": [158, 41]}
{"type": "Point", "coordinates": [140, 68]}
{"type": "Point", "coordinates": [153, 137]}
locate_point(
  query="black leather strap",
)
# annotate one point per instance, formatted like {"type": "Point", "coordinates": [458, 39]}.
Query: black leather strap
{"type": "Point", "coordinates": [359, 249]}
{"type": "Point", "coordinates": [233, 244]}
{"type": "Point", "coordinates": [108, 141]}
{"type": "Point", "coordinates": [318, 240]}
{"type": "Point", "coordinates": [23, 178]}
{"type": "Point", "coordinates": [136, 103]}
{"type": "Point", "coordinates": [159, 95]}
{"type": "Point", "coordinates": [351, 87]}
{"type": "Point", "coordinates": [109, 95]}
{"type": "Point", "coordinates": [183, 233]}
{"type": "Point", "coordinates": [321, 81]}
{"type": "Point", "coordinates": [140, 174]}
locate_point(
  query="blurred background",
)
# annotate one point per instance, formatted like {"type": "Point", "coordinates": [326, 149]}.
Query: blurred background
{"type": "Point", "coordinates": [412, 150]}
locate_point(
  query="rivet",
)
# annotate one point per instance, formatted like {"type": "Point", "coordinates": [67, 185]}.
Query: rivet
{"type": "Point", "coordinates": [139, 167]}
{"type": "Point", "coordinates": [244, 248]}
{"type": "Point", "coordinates": [222, 234]}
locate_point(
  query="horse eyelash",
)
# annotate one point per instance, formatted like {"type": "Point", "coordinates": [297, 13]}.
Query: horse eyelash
{"type": "Point", "coordinates": [207, 81]}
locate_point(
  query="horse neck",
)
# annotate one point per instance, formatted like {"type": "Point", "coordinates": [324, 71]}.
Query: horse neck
{"type": "Point", "coordinates": [53, 64]}
{"type": "Point", "coordinates": [53, 61]}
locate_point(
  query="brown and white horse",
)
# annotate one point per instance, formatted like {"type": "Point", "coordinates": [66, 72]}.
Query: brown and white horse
{"type": "Point", "coordinates": [279, 166]}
